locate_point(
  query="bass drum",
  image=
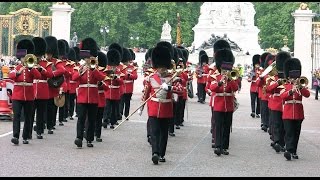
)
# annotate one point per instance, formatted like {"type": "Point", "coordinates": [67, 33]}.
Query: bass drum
{"type": "Point", "coordinates": [190, 89]}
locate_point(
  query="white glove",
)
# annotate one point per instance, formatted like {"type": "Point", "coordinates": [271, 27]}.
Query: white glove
{"type": "Point", "coordinates": [139, 112]}
{"type": "Point", "coordinates": [165, 86]}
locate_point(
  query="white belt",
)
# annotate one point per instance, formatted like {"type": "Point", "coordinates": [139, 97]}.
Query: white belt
{"type": "Point", "coordinates": [73, 81]}
{"type": "Point", "coordinates": [276, 94]}
{"type": "Point", "coordinates": [88, 85]}
{"type": "Point", "coordinates": [293, 102]}
{"type": "Point", "coordinates": [128, 81]}
{"type": "Point", "coordinates": [23, 84]}
{"type": "Point", "coordinates": [161, 100]}
{"type": "Point", "coordinates": [204, 74]}
{"type": "Point", "coordinates": [101, 91]}
{"type": "Point", "coordinates": [224, 94]}
{"type": "Point", "coordinates": [113, 87]}
{"type": "Point", "coordinates": [39, 80]}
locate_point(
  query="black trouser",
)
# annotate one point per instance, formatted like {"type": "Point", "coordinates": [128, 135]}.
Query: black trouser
{"type": "Point", "coordinates": [201, 91]}
{"type": "Point", "coordinates": [223, 125]}
{"type": "Point", "coordinates": [213, 126]}
{"type": "Point", "coordinates": [17, 106]}
{"type": "Point", "coordinates": [292, 133]}
{"type": "Point", "coordinates": [99, 122]}
{"type": "Point", "coordinates": [264, 113]}
{"type": "Point", "coordinates": [278, 127]}
{"type": "Point", "coordinates": [62, 112]}
{"type": "Point", "coordinates": [240, 84]}
{"type": "Point", "coordinates": [86, 111]}
{"type": "Point", "coordinates": [112, 110]}
{"type": "Point", "coordinates": [40, 107]}
{"type": "Point", "coordinates": [172, 122]}
{"type": "Point", "coordinates": [51, 114]}
{"type": "Point", "coordinates": [317, 91]}
{"type": "Point", "coordinates": [159, 135]}
{"type": "Point", "coordinates": [106, 113]}
{"type": "Point", "coordinates": [125, 104]}
{"type": "Point", "coordinates": [255, 102]}
{"type": "Point", "coordinates": [66, 106]}
{"type": "Point", "coordinates": [181, 104]}
{"type": "Point", "coordinates": [72, 98]}
{"type": "Point", "coordinates": [148, 127]}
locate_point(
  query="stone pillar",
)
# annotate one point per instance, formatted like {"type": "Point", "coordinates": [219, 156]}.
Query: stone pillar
{"type": "Point", "coordinates": [61, 20]}
{"type": "Point", "coordinates": [303, 41]}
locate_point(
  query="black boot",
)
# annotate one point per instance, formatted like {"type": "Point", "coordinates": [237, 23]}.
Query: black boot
{"type": "Point", "coordinates": [225, 152]}
{"type": "Point", "coordinates": [277, 147]}
{"type": "Point", "coordinates": [78, 142]}
{"type": "Point", "coordinates": [287, 155]}
{"type": "Point", "coordinates": [155, 158]}
{"type": "Point", "coordinates": [39, 136]}
{"type": "Point", "coordinates": [15, 141]}
{"type": "Point", "coordinates": [253, 115]}
{"type": "Point", "coordinates": [89, 144]}
{"type": "Point", "coordinates": [295, 156]}
{"type": "Point", "coordinates": [162, 159]}
{"type": "Point", "coordinates": [217, 151]}
{"type": "Point", "coordinates": [25, 141]}
{"type": "Point", "coordinates": [98, 139]}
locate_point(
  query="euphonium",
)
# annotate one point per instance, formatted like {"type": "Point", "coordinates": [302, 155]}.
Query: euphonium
{"type": "Point", "coordinates": [30, 60]}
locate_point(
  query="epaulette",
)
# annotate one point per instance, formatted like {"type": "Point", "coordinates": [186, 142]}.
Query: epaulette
{"type": "Point", "coordinates": [49, 63]}
{"type": "Point", "coordinates": [101, 68]}
{"type": "Point", "coordinates": [58, 61]}
{"type": "Point", "coordinates": [281, 87]}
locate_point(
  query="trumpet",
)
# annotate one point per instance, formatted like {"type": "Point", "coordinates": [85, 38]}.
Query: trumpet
{"type": "Point", "coordinates": [93, 62]}
{"type": "Point", "coordinates": [233, 74]}
{"type": "Point", "coordinates": [30, 60]}
{"type": "Point", "coordinates": [302, 82]}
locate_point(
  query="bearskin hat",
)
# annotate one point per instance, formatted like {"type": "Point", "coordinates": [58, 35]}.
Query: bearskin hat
{"type": "Point", "coordinates": [23, 46]}
{"type": "Point", "coordinates": [221, 44]}
{"type": "Point", "coordinates": [40, 46]}
{"type": "Point", "coordinates": [148, 53]}
{"type": "Point", "coordinates": [175, 55]}
{"type": "Point", "coordinates": [292, 68]}
{"type": "Point", "coordinates": [204, 59]}
{"type": "Point", "coordinates": [117, 47]}
{"type": "Point", "coordinates": [126, 55]}
{"type": "Point", "coordinates": [102, 59]}
{"type": "Point", "coordinates": [269, 60]}
{"type": "Point", "coordinates": [62, 48]}
{"type": "Point", "coordinates": [281, 57]}
{"type": "Point", "coordinates": [202, 52]}
{"type": "Point", "coordinates": [91, 45]}
{"type": "Point", "coordinates": [113, 57]}
{"type": "Point", "coordinates": [77, 51]}
{"type": "Point", "coordinates": [256, 59]}
{"type": "Point", "coordinates": [72, 55]}
{"type": "Point", "coordinates": [52, 46]}
{"type": "Point", "coordinates": [67, 46]}
{"type": "Point", "coordinates": [224, 57]}
{"type": "Point", "coordinates": [161, 57]}
{"type": "Point", "coordinates": [263, 58]}
{"type": "Point", "coordinates": [185, 53]}
{"type": "Point", "coordinates": [168, 45]}
{"type": "Point", "coordinates": [133, 55]}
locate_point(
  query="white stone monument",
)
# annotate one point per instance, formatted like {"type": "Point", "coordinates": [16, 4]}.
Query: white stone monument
{"type": "Point", "coordinates": [166, 32]}
{"type": "Point", "coordinates": [61, 20]}
{"type": "Point", "coordinates": [302, 39]}
{"type": "Point", "coordinates": [236, 19]}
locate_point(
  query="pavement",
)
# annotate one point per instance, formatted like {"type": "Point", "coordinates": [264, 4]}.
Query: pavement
{"type": "Point", "coordinates": [125, 152]}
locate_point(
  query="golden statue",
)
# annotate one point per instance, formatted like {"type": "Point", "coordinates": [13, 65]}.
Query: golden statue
{"type": "Point", "coordinates": [303, 6]}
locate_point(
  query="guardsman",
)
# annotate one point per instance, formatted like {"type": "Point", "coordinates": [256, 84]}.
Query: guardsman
{"type": "Point", "coordinates": [76, 83]}
{"type": "Point", "coordinates": [224, 87]}
{"type": "Point", "coordinates": [160, 109]}
{"type": "Point", "coordinates": [102, 63]}
{"type": "Point", "coordinates": [275, 102]}
{"type": "Point", "coordinates": [73, 85]}
{"type": "Point", "coordinates": [255, 101]}
{"type": "Point", "coordinates": [112, 85]}
{"type": "Point", "coordinates": [69, 69]}
{"type": "Point", "coordinates": [40, 86]}
{"type": "Point", "coordinates": [64, 87]}
{"type": "Point", "coordinates": [58, 70]}
{"type": "Point", "coordinates": [23, 94]}
{"type": "Point", "coordinates": [87, 98]}
{"type": "Point", "coordinates": [293, 113]}
{"type": "Point", "coordinates": [262, 95]}
{"type": "Point", "coordinates": [201, 74]}
{"type": "Point", "coordinates": [130, 75]}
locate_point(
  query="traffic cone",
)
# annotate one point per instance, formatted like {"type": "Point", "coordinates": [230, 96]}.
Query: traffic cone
{"type": "Point", "coordinates": [5, 111]}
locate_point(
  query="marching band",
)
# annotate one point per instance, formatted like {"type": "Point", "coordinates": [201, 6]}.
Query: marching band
{"type": "Point", "coordinates": [99, 88]}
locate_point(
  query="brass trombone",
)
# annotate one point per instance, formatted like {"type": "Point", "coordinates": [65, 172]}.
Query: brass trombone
{"type": "Point", "coordinates": [302, 82]}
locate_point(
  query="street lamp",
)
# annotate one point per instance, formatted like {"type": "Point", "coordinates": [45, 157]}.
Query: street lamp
{"type": "Point", "coordinates": [104, 31]}
{"type": "Point", "coordinates": [134, 38]}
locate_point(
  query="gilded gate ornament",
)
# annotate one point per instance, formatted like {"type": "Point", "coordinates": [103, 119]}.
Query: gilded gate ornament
{"type": "Point", "coordinates": [25, 24]}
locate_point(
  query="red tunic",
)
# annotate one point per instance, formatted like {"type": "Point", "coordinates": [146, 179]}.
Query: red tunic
{"type": "Point", "coordinates": [161, 104]}
{"type": "Point", "coordinates": [40, 86]}
{"type": "Point", "coordinates": [102, 99]}
{"type": "Point", "coordinates": [112, 87]}
{"type": "Point", "coordinates": [60, 70]}
{"type": "Point", "coordinates": [88, 86]}
{"type": "Point", "coordinates": [224, 97]}
{"type": "Point", "coordinates": [73, 85]}
{"type": "Point", "coordinates": [274, 102]}
{"type": "Point", "coordinates": [184, 77]}
{"type": "Point", "coordinates": [23, 83]}
{"type": "Point", "coordinates": [293, 107]}
{"type": "Point", "coordinates": [211, 76]}
{"type": "Point", "coordinates": [202, 78]}
{"type": "Point", "coordinates": [130, 74]}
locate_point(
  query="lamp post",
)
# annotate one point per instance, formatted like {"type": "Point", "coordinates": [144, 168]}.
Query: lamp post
{"type": "Point", "coordinates": [104, 31]}
{"type": "Point", "coordinates": [133, 38]}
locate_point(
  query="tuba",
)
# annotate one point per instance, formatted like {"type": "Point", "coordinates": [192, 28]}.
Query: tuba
{"type": "Point", "coordinates": [30, 60]}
